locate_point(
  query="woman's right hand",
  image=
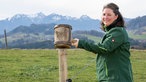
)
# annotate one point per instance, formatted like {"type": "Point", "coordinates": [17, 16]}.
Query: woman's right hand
{"type": "Point", "coordinates": [75, 42]}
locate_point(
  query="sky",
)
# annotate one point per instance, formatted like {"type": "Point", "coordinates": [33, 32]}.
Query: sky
{"type": "Point", "coordinates": [73, 8]}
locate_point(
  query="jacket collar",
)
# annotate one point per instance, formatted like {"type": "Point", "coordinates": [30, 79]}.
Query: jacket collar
{"type": "Point", "coordinates": [107, 28]}
{"type": "Point", "coordinates": [113, 25]}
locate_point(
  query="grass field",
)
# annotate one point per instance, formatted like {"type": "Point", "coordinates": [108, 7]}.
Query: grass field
{"type": "Point", "coordinates": [41, 65]}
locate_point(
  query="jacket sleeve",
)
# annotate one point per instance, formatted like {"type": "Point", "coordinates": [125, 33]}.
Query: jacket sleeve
{"type": "Point", "coordinates": [114, 39]}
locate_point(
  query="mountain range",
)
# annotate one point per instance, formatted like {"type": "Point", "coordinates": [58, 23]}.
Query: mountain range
{"type": "Point", "coordinates": [84, 22]}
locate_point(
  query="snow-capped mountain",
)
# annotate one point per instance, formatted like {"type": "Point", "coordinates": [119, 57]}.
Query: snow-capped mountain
{"type": "Point", "coordinates": [82, 23]}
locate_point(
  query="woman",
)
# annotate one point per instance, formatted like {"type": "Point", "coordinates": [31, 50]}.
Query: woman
{"type": "Point", "coordinates": [113, 62]}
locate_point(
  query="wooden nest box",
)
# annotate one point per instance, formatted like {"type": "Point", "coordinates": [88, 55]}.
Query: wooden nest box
{"type": "Point", "coordinates": [62, 36]}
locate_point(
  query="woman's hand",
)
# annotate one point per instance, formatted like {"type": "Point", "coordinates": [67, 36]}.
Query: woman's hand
{"type": "Point", "coordinates": [75, 42]}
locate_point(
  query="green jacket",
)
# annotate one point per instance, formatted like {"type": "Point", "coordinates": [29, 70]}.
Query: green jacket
{"type": "Point", "coordinates": [113, 62]}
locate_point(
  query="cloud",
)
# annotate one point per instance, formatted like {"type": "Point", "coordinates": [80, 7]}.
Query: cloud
{"type": "Point", "coordinates": [75, 8]}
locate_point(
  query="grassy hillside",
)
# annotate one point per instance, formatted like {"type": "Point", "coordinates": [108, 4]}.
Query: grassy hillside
{"type": "Point", "coordinates": [138, 34]}
{"type": "Point", "coordinates": [41, 65]}
{"type": "Point", "coordinates": [94, 38]}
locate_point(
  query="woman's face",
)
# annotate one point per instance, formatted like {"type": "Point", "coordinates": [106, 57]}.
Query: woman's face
{"type": "Point", "coordinates": [108, 16]}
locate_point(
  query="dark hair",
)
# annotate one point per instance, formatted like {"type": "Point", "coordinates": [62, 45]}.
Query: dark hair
{"type": "Point", "coordinates": [119, 22]}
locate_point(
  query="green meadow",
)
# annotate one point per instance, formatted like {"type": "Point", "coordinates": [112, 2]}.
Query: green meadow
{"type": "Point", "coordinates": [41, 65]}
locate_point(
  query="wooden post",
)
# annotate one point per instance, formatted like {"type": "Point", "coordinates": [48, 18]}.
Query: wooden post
{"type": "Point", "coordinates": [62, 65]}
{"type": "Point", "coordinates": [6, 44]}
